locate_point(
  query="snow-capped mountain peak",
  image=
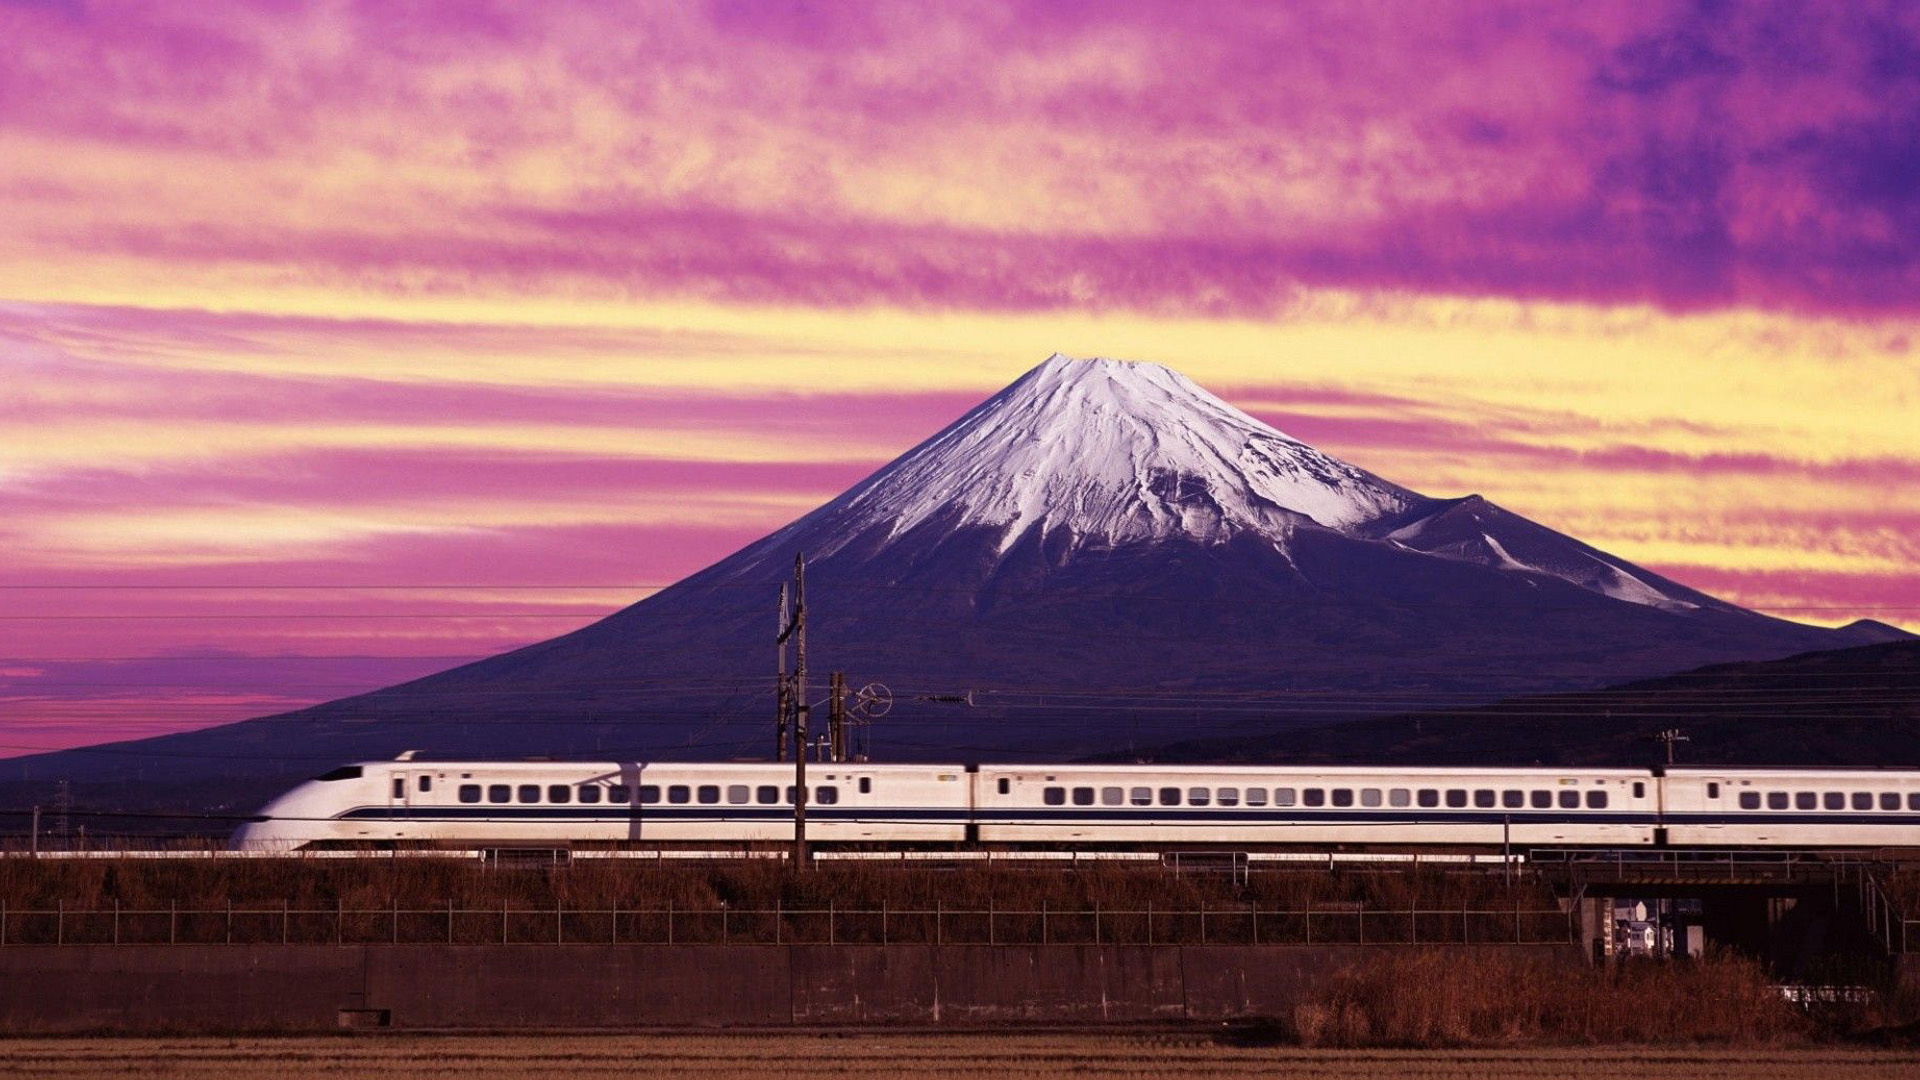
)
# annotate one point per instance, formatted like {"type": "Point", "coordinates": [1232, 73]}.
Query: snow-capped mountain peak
{"type": "Point", "coordinates": [1081, 457]}
{"type": "Point", "coordinates": [1110, 452]}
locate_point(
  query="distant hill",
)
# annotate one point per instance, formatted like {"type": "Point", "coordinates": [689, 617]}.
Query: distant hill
{"type": "Point", "coordinates": [1858, 706]}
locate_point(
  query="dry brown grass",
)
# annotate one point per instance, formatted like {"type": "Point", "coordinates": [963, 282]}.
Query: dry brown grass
{"type": "Point", "coordinates": [377, 882]}
{"type": "Point", "coordinates": [430, 886]}
{"type": "Point", "coordinates": [1420, 998]}
{"type": "Point", "coordinates": [888, 1055]}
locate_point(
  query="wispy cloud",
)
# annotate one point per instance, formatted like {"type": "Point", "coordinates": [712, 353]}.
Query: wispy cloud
{"type": "Point", "coordinates": [1004, 156]}
{"type": "Point", "coordinates": [485, 294]}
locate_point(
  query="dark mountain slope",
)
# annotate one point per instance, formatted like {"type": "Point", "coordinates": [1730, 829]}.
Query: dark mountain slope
{"type": "Point", "coordinates": [1858, 706]}
{"type": "Point", "coordinates": [1106, 554]}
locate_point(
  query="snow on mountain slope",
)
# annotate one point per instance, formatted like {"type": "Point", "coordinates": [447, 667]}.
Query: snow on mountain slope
{"type": "Point", "coordinates": [1099, 454]}
{"type": "Point", "coordinates": [1110, 453]}
{"type": "Point", "coordinates": [1471, 529]}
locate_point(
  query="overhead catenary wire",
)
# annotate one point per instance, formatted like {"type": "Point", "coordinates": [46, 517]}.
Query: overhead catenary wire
{"type": "Point", "coordinates": [837, 583]}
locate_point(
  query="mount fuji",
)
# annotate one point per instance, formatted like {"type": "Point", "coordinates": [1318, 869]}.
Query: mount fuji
{"type": "Point", "coordinates": [1101, 555]}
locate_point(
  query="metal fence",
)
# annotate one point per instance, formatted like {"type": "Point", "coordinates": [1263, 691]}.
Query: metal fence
{"type": "Point", "coordinates": [1702, 867]}
{"type": "Point", "coordinates": [452, 925]}
{"type": "Point", "coordinates": [1887, 921]}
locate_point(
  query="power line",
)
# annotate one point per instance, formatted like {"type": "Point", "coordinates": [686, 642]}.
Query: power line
{"type": "Point", "coordinates": [842, 584]}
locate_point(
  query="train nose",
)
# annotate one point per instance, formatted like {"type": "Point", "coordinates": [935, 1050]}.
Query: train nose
{"type": "Point", "coordinates": [256, 834]}
{"type": "Point", "coordinates": [265, 832]}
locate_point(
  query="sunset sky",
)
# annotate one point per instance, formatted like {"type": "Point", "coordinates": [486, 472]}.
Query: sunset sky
{"type": "Point", "coordinates": [342, 341]}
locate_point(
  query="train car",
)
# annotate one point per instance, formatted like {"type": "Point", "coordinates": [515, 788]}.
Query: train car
{"type": "Point", "coordinates": [537, 804]}
{"type": "Point", "coordinates": [1753, 807]}
{"type": "Point", "coordinates": [1141, 804]}
{"type": "Point", "coordinates": [559, 804]}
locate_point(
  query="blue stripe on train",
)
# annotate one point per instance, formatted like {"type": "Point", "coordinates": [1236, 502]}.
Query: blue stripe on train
{"type": "Point", "coordinates": [1109, 816]}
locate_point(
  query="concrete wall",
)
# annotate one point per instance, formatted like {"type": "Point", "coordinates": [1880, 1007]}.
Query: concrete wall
{"type": "Point", "coordinates": [48, 989]}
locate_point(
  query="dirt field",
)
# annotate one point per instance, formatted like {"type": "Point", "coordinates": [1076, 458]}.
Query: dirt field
{"type": "Point", "coordinates": [887, 1055]}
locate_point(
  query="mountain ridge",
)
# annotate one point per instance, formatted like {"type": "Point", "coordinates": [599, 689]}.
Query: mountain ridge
{"type": "Point", "coordinates": [1104, 554]}
{"type": "Point", "coordinates": [1842, 707]}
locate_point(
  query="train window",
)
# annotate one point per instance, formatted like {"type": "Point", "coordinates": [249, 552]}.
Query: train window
{"type": "Point", "coordinates": [344, 772]}
{"type": "Point", "coordinates": [529, 793]}
{"type": "Point", "coordinates": [399, 787]}
{"type": "Point", "coordinates": [1112, 796]}
{"type": "Point", "coordinates": [1913, 800]}
{"type": "Point", "coordinates": [1513, 798]}
{"type": "Point", "coordinates": [1199, 796]}
{"type": "Point", "coordinates": [590, 792]}
{"type": "Point", "coordinates": [1054, 796]}
{"type": "Point", "coordinates": [649, 793]}
{"type": "Point", "coordinates": [1569, 800]}
{"type": "Point", "coordinates": [1169, 796]}
{"type": "Point", "coordinates": [866, 785]}
{"type": "Point", "coordinates": [1483, 797]}
{"type": "Point", "coordinates": [1805, 800]}
{"type": "Point", "coordinates": [1228, 796]}
{"type": "Point", "coordinates": [559, 793]}
{"type": "Point", "coordinates": [1596, 800]}
{"type": "Point", "coordinates": [1834, 800]}
{"type": "Point", "coordinates": [737, 794]}
{"type": "Point", "coordinates": [1889, 800]}
{"type": "Point", "coordinates": [707, 793]}
{"type": "Point", "coordinates": [827, 794]}
{"type": "Point", "coordinates": [1640, 790]}
{"type": "Point", "coordinates": [1456, 797]}
{"type": "Point", "coordinates": [679, 793]}
{"type": "Point", "coordinates": [1313, 796]}
{"type": "Point", "coordinates": [1083, 796]}
{"type": "Point", "coordinates": [426, 783]}
{"type": "Point", "coordinates": [1370, 796]}
{"type": "Point", "coordinates": [1863, 800]}
{"type": "Point", "coordinates": [1540, 800]}
{"type": "Point", "coordinates": [1140, 796]}
{"type": "Point", "coordinates": [1005, 785]}
{"type": "Point", "coordinates": [1399, 797]}
{"type": "Point", "coordinates": [622, 793]}
{"type": "Point", "coordinates": [1256, 796]}
{"type": "Point", "coordinates": [1713, 789]}
{"type": "Point", "coordinates": [1776, 800]}
{"type": "Point", "coordinates": [766, 794]}
{"type": "Point", "coordinates": [498, 793]}
{"type": "Point", "coordinates": [1283, 796]}
{"type": "Point", "coordinates": [1429, 797]}
{"type": "Point", "coordinates": [1342, 796]}
{"type": "Point", "coordinates": [790, 790]}
{"type": "Point", "coordinates": [1749, 800]}
{"type": "Point", "coordinates": [471, 793]}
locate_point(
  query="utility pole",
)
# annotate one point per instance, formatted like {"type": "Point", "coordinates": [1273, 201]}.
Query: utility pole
{"type": "Point", "coordinates": [63, 805]}
{"type": "Point", "coordinates": [35, 844]}
{"type": "Point", "coordinates": [781, 700]}
{"type": "Point", "coordinates": [1669, 737]}
{"type": "Point", "coordinates": [837, 717]}
{"type": "Point", "coordinates": [800, 710]}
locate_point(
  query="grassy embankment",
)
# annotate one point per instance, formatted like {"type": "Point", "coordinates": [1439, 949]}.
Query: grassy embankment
{"type": "Point", "coordinates": [1395, 997]}
{"type": "Point", "coordinates": [1370, 906]}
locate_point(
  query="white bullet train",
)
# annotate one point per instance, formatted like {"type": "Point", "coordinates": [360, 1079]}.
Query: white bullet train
{"type": "Point", "coordinates": [544, 804]}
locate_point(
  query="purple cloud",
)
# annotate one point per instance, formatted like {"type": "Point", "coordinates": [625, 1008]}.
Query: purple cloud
{"type": "Point", "coordinates": [1164, 157]}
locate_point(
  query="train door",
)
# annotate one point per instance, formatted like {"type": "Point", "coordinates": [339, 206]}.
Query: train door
{"type": "Point", "coordinates": [419, 789]}
{"type": "Point", "coordinates": [1715, 795]}
{"type": "Point", "coordinates": [404, 787]}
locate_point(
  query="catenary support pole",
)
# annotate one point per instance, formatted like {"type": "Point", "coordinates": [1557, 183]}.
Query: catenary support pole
{"type": "Point", "coordinates": [782, 700]}
{"type": "Point", "coordinates": [837, 717]}
{"type": "Point", "coordinates": [800, 857]}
